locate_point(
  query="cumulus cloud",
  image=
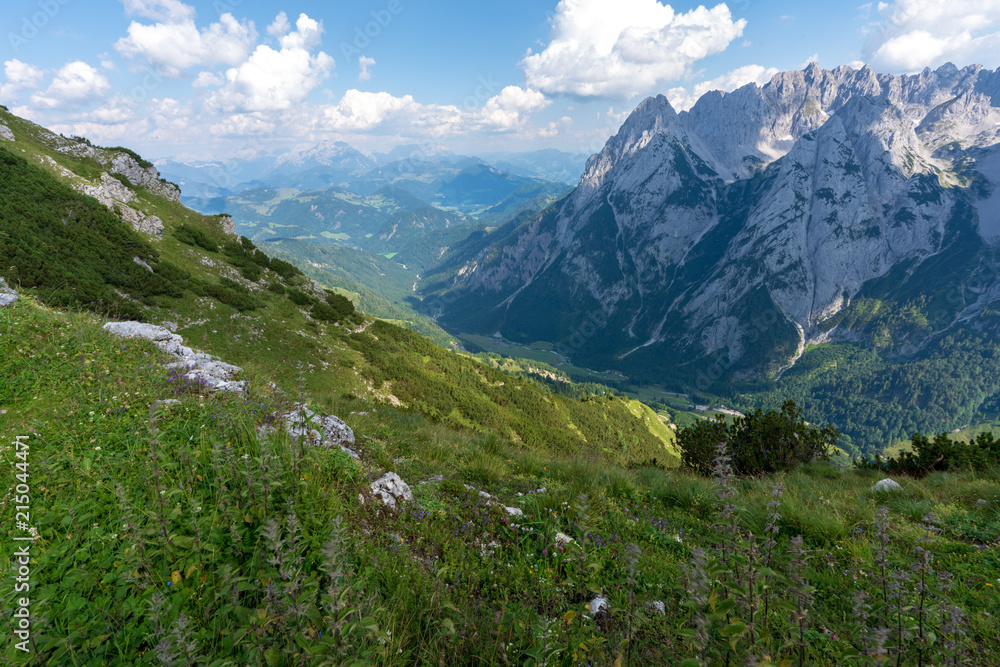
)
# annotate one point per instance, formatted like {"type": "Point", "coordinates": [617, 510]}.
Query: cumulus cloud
{"type": "Point", "coordinates": [359, 111]}
{"type": "Point", "coordinates": [207, 80]}
{"type": "Point", "coordinates": [161, 121]}
{"type": "Point", "coordinates": [914, 34]}
{"type": "Point", "coordinates": [682, 99]}
{"type": "Point", "coordinates": [76, 83]}
{"type": "Point", "coordinates": [174, 43]}
{"type": "Point", "coordinates": [271, 80]}
{"type": "Point", "coordinates": [507, 110]}
{"type": "Point", "coordinates": [621, 49]}
{"type": "Point", "coordinates": [365, 64]}
{"type": "Point", "coordinates": [362, 111]}
{"type": "Point", "coordinates": [20, 76]}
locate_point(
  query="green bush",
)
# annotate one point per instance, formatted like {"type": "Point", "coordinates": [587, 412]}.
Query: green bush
{"type": "Point", "coordinates": [300, 298]}
{"type": "Point", "coordinates": [758, 443]}
{"type": "Point", "coordinates": [247, 258]}
{"type": "Point", "coordinates": [284, 269]}
{"type": "Point", "coordinates": [322, 311]}
{"type": "Point", "coordinates": [195, 237]}
{"type": "Point", "coordinates": [941, 453]}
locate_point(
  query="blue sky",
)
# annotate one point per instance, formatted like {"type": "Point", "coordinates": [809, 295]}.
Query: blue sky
{"type": "Point", "coordinates": [225, 77]}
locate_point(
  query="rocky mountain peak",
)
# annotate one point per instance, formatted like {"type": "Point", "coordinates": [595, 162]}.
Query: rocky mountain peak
{"type": "Point", "coordinates": [789, 199]}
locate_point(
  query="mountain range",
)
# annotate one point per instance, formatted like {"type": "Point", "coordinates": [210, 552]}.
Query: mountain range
{"type": "Point", "coordinates": [719, 244]}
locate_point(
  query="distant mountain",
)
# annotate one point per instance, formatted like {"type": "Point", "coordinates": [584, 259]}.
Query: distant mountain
{"type": "Point", "coordinates": [424, 171]}
{"type": "Point", "coordinates": [719, 244]}
{"type": "Point", "coordinates": [549, 164]}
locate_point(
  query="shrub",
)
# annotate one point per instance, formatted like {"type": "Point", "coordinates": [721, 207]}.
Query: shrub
{"type": "Point", "coordinates": [341, 305]}
{"type": "Point", "coordinates": [941, 453]}
{"type": "Point", "coordinates": [284, 269]}
{"type": "Point", "coordinates": [195, 237]}
{"type": "Point", "coordinates": [247, 258]}
{"type": "Point", "coordinates": [759, 442]}
{"type": "Point", "coordinates": [300, 298]}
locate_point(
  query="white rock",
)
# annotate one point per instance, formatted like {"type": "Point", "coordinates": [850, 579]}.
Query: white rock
{"type": "Point", "coordinates": [5, 133]}
{"type": "Point", "coordinates": [139, 330]}
{"type": "Point", "coordinates": [197, 366]}
{"type": "Point", "coordinates": [319, 430]}
{"type": "Point", "coordinates": [7, 299]}
{"type": "Point", "coordinates": [391, 489]}
{"type": "Point", "coordinates": [599, 604]}
{"type": "Point", "coordinates": [886, 486]}
{"type": "Point", "coordinates": [657, 607]}
{"type": "Point", "coordinates": [433, 480]}
{"type": "Point", "coordinates": [140, 262]}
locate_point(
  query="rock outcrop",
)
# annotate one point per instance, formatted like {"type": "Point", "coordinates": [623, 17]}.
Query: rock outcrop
{"type": "Point", "coordinates": [391, 489]}
{"type": "Point", "coordinates": [318, 430]}
{"type": "Point", "coordinates": [5, 133]}
{"type": "Point", "coordinates": [7, 296]}
{"type": "Point", "coordinates": [144, 177]}
{"type": "Point", "coordinates": [116, 196]}
{"type": "Point", "coordinates": [887, 486]}
{"type": "Point", "coordinates": [228, 226]}
{"type": "Point", "coordinates": [195, 365]}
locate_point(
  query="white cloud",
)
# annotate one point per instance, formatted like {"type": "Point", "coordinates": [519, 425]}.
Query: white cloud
{"type": "Point", "coordinates": [207, 80]}
{"type": "Point", "coordinates": [160, 121]}
{"type": "Point", "coordinates": [363, 111]}
{"type": "Point", "coordinates": [359, 111]}
{"type": "Point", "coordinates": [280, 26]}
{"type": "Point", "coordinates": [507, 110]}
{"type": "Point", "coordinates": [272, 80]}
{"type": "Point", "coordinates": [20, 76]}
{"type": "Point", "coordinates": [75, 84]}
{"type": "Point", "coordinates": [115, 111]}
{"type": "Point", "coordinates": [365, 64]}
{"type": "Point", "coordinates": [555, 127]}
{"type": "Point", "coordinates": [682, 99]}
{"type": "Point", "coordinates": [170, 11]}
{"type": "Point", "coordinates": [174, 43]}
{"type": "Point", "coordinates": [621, 49]}
{"type": "Point", "coordinates": [915, 34]}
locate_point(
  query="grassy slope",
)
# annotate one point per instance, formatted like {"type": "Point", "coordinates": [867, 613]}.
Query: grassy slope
{"type": "Point", "coordinates": [447, 578]}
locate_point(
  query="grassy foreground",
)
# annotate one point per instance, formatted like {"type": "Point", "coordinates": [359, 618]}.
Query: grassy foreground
{"type": "Point", "coordinates": [177, 534]}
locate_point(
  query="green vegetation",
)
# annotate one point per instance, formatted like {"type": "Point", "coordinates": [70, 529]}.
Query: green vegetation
{"type": "Point", "coordinates": [758, 443]}
{"type": "Point", "coordinates": [193, 236]}
{"type": "Point", "coordinates": [940, 453]}
{"type": "Point", "coordinates": [876, 400]}
{"type": "Point", "coordinates": [190, 532]}
{"type": "Point", "coordinates": [464, 393]}
{"type": "Point", "coordinates": [197, 537]}
{"type": "Point", "coordinates": [73, 252]}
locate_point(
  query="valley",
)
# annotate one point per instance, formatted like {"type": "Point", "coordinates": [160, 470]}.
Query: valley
{"type": "Point", "coordinates": [458, 411]}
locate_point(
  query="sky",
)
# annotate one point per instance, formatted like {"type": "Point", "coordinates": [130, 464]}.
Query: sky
{"type": "Point", "coordinates": [212, 79]}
